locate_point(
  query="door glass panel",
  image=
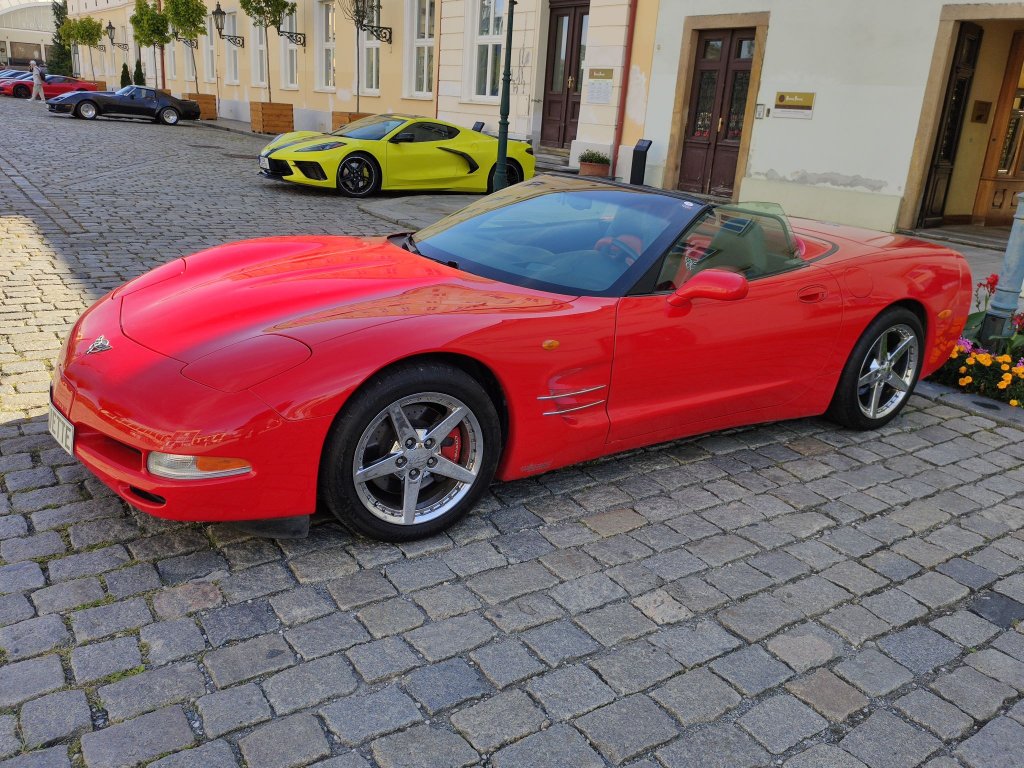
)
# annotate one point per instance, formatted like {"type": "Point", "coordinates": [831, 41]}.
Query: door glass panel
{"type": "Point", "coordinates": [582, 53]}
{"type": "Point", "coordinates": [1012, 138]}
{"type": "Point", "coordinates": [712, 50]}
{"type": "Point", "coordinates": [950, 135]}
{"type": "Point", "coordinates": [705, 104]}
{"type": "Point", "coordinates": [746, 51]}
{"type": "Point", "coordinates": [561, 46]}
{"type": "Point", "coordinates": [737, 105]}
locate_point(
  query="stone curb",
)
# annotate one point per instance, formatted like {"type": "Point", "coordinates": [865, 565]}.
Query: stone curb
{"type": "Point", "coordinates": [977, 405]}
{"type": "Point", "coordinates": [228, 129]}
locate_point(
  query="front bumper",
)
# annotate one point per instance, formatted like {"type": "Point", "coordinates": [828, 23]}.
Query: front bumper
{"type": "Point", "coordinates": [307, 168]}
{"type": "Point", "coordinates": [60, 107]}
{"type": "Point", "coordinates": [129, 401]}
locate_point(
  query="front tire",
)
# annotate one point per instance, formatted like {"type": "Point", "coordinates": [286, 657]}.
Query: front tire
{"type": "Point", "coordinates": [168, 116]}
{"type": "Point", "coordinates": [880, 375]}
{"type": "Point", "coordinates": [21, 92]}
{"type": "Point", "coordinates": [359, 176]}
{"type": "Point", "coordinates": [86, 110]}
{"type": "Point", "coordinates": [411, 452]}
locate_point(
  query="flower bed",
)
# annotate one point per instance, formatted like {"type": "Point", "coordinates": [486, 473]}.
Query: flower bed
{"type": "Point", "coordinates": [973, 369]}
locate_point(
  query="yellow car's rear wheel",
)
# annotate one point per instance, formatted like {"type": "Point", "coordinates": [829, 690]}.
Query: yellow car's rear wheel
{"type": "Point", "coordinates": [359, 175]}
{"type": "Point", "coordinates": [513, 173]}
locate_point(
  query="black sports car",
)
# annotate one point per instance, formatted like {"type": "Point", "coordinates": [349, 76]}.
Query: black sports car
{"type": "Point", "coordinates": [131, 101]}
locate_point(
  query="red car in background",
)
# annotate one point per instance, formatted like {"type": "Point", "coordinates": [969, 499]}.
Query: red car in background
{"type": "Point", "coordinates": [55, 85]}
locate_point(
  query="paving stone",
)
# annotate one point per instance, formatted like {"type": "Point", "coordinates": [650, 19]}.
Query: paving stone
{"type": "Point", "coordinates": [499, 720]}
{"type": "Point", "coordinates": [999, 609]}
{"type": "Point", "coordinates": [828, 695]}
{"type": "Point", "coordinates": [696, 645]}
{"type": "Point", "coordinates": [758, 617]}
{"type": "Point", "coordinates": [175, 570]}
{"type": "Point", "coordinates": [54, 757]}
{"type": "Point", "coordinates": [873, 673]}
{"type": "Point", "coordinates": [445, 684]}
{"type": "Point", "coordinates": [306, 685]}
{"type": "Point", "coordinates": [85, 564]}
{"type": "Point", "coordinates": [1011, 643]}
{"type": "Point", "coordinates": [446, 601]}
{"type": "Point", "coordinates": [40, 545]}
{"type": "Point", "coordinates": [855, 623]}
{"type": "Point", "coordinates": [364, 716]}
{"type": "Point", "coordinates": [524, 613]}
{"type": "Point", "coordinates": [349, 760]}
{"type": "Point", "coordinates": [625, 728]}
{"type": "Point", "coordinates": [9, 741]}
{"type": "Point", "coordinates": [892, 565]}
{"type": "Point", "coordinates": [334, 632]}
{"type": "Point", "coordinates": [27, 679]}
{"type": "Point", "coordinates": [971, 575]}
{"type": "Point", "coordinates": [570, 691]}
{"type": "Point", "coordinates": [505, 662]}
{"type": "Point", "coordinates": [935, 590]}
{"type": "Point", "coordinates": [885, 741]}
{"type": "Point", "coordinates": [226, 711]}
{"type": "Point", "coordinates": [722, 745]}
{"type": "Point", "coordinates": [391, 617]}
{"type": "Point", "coordinates": [752, 670]}
{"type": "Point", "coordinates": [503, 584]}
{"type": "Point", "coordinates": [410, 575]}
{"type": "Point", "coordinates": [92, 662]}
{"type": "Point", "coordinates": [181, 600]}
{"type": "Point", "coordinates": [635, 667]}
{"type": "Point", "coordinates": [212, 754]}
{"type": "Point", "coordinates": [300, 605]}
{"type": "Point", "coordinates": [965, 628]}
{"type": "Point", "coordinates": [557, 747]}
{"type": "Point", "coordinates": [854, 577]}
{"type": "Point", "coordinates": [32, 637]}
{"type": "Point", "coordinates": [238, 622]}
{"type": "Point", "coordinates": [806, 646]}
{"type": "Point", "coordinates": [289, 742]}
{"type": "Point", "coordinates": [55, 717]}
{"type": "Point", "coordinates": [812, 595]}
{"type": "Point", "coordinates": [824, 756]}
{"type": "Point", "coordinates": [919, 649]}
{"type": "Point", "coordinates": [894, 606]}
{"type": "Point", "coordinates": [938, 716]}
{"type": "Point", "coordinates": [104, 620]}
{"type": "Point", "coordinates": [138, 740]}
{"type": "Point", "coordinates": [781, 722]}
{"type": "Point", "coordinates": [423, 746]}
{"type": "Point", "coordinates": [997, 745]}
{"type": "Point", "coordinates": [150, 690]}
{"type": "Point", "coordinates": [382, 659]}
{"type": "Point", "coordinates": [443, 639]}
{"type": "Point", "coordinates": [559, 641]}
{"type": "Point", "coordinates": [171, 640]}
{"type": "Point", "coordinates": [14, 608]}
{"type": "Point", "coordinates": [64, 597]}
{"type": "Point", "coordinates": [696, 697]}
{"type": "Point", "coordinates": [696, 594]}
{"type": "Point", "coordinates": [976, 694]}
{"type": "Point", "coordinates": [998, 666]}
{"type": "Point", "coordinates": [615, 624]}
{"type": "Point", "coordinates": [248, 659]}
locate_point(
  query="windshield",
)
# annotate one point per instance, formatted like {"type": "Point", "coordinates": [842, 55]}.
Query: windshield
{"type": "Point", "coordinates": [560, 236]}
{"type": "Point", "coordinates": [371, 128]}
{"type": "Point", "coordinates": [125, 91]}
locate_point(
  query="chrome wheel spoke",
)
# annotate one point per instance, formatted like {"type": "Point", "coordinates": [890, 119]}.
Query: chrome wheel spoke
{"type": "Point", "coordinates": [454, 471]}
{"type": "Point", "coordinates": [385, 466]}
{"type": "Point", "coordinates": [876, 396]}
{"type": "Point", "coordinates": [403, 429]}
{"type": "Point", "coordinates": [901, 349]}
{"type": "Point", "coordinates": [440, 431]}
{"type": "Point", "coordinates": [410, 497]}
{"type": "Point", "coordinates": [868, 378]}
{"type": "Point", "coordinates": [896, 382]}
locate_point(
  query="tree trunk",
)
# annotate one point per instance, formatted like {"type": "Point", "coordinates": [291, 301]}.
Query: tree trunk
{"type": "Point", "coordinates": [195, 67]}
{"type": "Point", "coordinates": [359, 63]}
{"type": "Point", "coordinates": [266, 50]}
{"type": "Point", "coordinates": [92, 69]}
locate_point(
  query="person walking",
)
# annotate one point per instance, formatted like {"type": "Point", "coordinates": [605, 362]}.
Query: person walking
{"type": "Point", "coordinates": [37, 81]}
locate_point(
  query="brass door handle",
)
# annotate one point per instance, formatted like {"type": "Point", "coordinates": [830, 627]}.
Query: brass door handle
{"type": "Point", "coordinates": [572, 82]}
{"type": "Point", "coordinates": [719, 125]}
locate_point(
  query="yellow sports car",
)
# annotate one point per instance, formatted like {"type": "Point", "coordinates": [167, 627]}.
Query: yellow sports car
{"type": "Point", "coordinates": [393, 152]}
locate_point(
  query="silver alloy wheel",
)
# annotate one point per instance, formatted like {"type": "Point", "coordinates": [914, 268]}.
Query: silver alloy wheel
{"type": "Point", "coordinates": [886, 376]}
{"type": "Point", "coordinates": [169, 116]}
{"type": "Point", "coordinates": [87, 110]}
{"type": "Point", "coordinates": [400, 470]}
{"type": "Point", "coordinates": [357, 175]}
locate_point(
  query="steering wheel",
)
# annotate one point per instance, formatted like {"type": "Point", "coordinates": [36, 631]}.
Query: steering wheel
{"type": "Point", "coordinates": [621, 248]}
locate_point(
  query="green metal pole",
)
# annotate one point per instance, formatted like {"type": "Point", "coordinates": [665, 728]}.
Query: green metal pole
{"type": "Point", "coordinates": [500, 171]}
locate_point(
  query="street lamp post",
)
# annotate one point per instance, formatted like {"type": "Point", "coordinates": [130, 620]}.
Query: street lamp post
{"type": "Point", "coordinates": [219, 14]}
{"type": "Point", "coordinates": [111, 31]}
{"type": "Point", "coordinates": [1007, 295]}
{"type": "Point", "coordinates": [501, 170]}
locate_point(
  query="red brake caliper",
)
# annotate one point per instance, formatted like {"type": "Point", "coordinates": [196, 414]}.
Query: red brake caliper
{"type": "Point", "coordinates": [451, 446]}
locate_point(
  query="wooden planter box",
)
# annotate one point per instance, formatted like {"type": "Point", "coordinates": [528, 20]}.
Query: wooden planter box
{"type": "Point", "coordinates": [207, 104]}
{"type": "Point", "coordinates": [594, 169]}
{"type": "Point", "coordinates": [101, 85]}
{"type": "Point", "coordinates": [339, 119]}
{"type": "Point", "coordinates": [271, 118]}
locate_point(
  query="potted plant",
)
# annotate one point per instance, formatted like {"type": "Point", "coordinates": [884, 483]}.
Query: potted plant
{"type": "Point", "coordinates": [594, 163]}
{"type": "Point", "coordinates": [266, 116]}
{"type": "Point", "coordinates": [187, 19]}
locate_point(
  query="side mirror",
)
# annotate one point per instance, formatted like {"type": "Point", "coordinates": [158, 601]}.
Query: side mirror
{"type": "Point", "coordinates": [405, 137]}
{"type": "Point", "coordinates": [717, 284]}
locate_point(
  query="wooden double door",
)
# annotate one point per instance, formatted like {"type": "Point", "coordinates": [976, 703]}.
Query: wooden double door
{"type": "Point", "coordinates": [717, 109]}
{"type": "Point", "coordinates": [567, 48]}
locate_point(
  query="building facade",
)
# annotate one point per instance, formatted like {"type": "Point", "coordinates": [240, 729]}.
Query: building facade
{"type": "Point", "coordinates": [889, 115]}
{"type": "Point", "coordinates": [26, 32]}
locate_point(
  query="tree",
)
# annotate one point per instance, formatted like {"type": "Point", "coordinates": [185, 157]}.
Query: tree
{"type": "Point", "coordinates": [187, 19]}
{"type": "Point", "coordinates": [126, 75]}
{"type": "Point", "coordinates": [362, 13]}
{"type": "Point", "coordinates": [139, 77]}
{"type": "Point", "coordinates": [266, 14]}
{"type": "Point", "coordinates": [85, 31]}
{"type": "Point", "coordinates": [150, 28]}
{"type": "Point", "coordinates": [59, 61]}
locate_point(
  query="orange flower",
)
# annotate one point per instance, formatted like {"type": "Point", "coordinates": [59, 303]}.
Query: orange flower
{"type": "Point", "coordinates": [1003, 384]}
{"type": "Point", "coordinates": [1004, 367]}
{"type": "Point", "coordinates": [1014, 403]}
{"type": "Point", "coordinates": [970, 361]}
{"type": "Point", "coordinates": [962, 369]}
{"type": "Point", "coordinates": [1004, 359]}
{"type": "Point", "coordinates": [965, 381]}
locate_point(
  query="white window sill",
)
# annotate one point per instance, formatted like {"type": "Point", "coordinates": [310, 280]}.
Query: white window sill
{"type": "Point", "coordinates": [325, 89]}
{"type": "Point", "coordinates": [420, 96]}
{"type": "Point", "coordinates": [289, 87]}
{"type": "Point", "coordinates": [261, 86]}
{"type": "Point", "coordinates": [371, 94]}
{"type": "Point", "coordinates": [232, 83]}
{"type": "Point", "coordinates": [491, 101]}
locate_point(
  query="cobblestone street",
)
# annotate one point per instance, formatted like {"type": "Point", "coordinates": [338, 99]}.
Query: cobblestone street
{"type": "Point", "coordinates": [793, 594]}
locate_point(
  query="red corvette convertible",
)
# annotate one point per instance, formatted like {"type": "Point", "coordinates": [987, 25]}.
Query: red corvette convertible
{"type": "Point", "coordinates": [55, 85]}
{"type": "Point", "coordinates": [557, 321]}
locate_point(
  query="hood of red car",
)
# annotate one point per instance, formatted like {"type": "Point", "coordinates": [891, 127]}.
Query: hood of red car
{"type": "Point", "coordinates": [308, 288]}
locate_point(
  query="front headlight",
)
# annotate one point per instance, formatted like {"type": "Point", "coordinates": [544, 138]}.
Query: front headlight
{"type": "Point", "coordinates": [323, 147]}
{"type": "Point", "coordinates": [247, 363]}
{"type": "Point", "coordinates": [175, 466]}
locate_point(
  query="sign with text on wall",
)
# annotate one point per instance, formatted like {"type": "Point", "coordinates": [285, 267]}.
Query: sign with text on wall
{"type": "Point", "coordinates": [798, 104]}
{"type": "Point", "coordinates": [599, 85]}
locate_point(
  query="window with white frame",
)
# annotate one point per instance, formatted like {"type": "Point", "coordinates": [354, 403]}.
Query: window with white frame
{"type": "Point", "coordinates": [289, 55]}
{"type": "Point", "coordinates": [209, 53]}
{"type": "Point", "coordinates": [231, 28]}
{"type": "Point", "coordinates": [190, 65]}
{"type": "Point", "coordinates": [325, 42]}
{"type": "Point", "coordinates": [370, 46]}
{"type": "Point", "coordinates": [259, 55]}
{"type": "Point", "coordinates": [171, 49]}
{"type": "Point", "coordinates": [420, 48]}
{"type": "Point", "coordinates": [487, 48]}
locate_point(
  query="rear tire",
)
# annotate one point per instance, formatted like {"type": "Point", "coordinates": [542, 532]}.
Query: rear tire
{"type": "Point", "coordinates": [87, 110]}
{"type": "Point", "coordinates": [512, 171]}
{"type": "Point", "coordinates": [880, 375]}
{"type": "Point", "coordinates": [21, 92]}
{"type": "Point", "coordinates": [411, 452]}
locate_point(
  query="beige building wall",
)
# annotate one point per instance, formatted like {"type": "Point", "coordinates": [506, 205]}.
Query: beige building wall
{"type": "Point", "coordinates": [26, 23]}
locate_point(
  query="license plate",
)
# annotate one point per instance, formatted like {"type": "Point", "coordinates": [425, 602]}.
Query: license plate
{"type": "Point", "coordinates": [63, 431]}
{"type": "Point", "coordinates": [264, 163]}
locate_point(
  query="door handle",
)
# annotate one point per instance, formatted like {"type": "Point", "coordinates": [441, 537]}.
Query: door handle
{"type": "Point", "coordinates": [812, 294]}
{"type": "Point", "coordinates": [572, 82]}
{"type": "Point", "coordinates": [720, 120]}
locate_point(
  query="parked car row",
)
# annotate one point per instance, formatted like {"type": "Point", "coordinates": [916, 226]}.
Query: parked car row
{"type": "Point", "coordinates": [132, 101]}
{"type": "Point", "coordinates": [19, 85]}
